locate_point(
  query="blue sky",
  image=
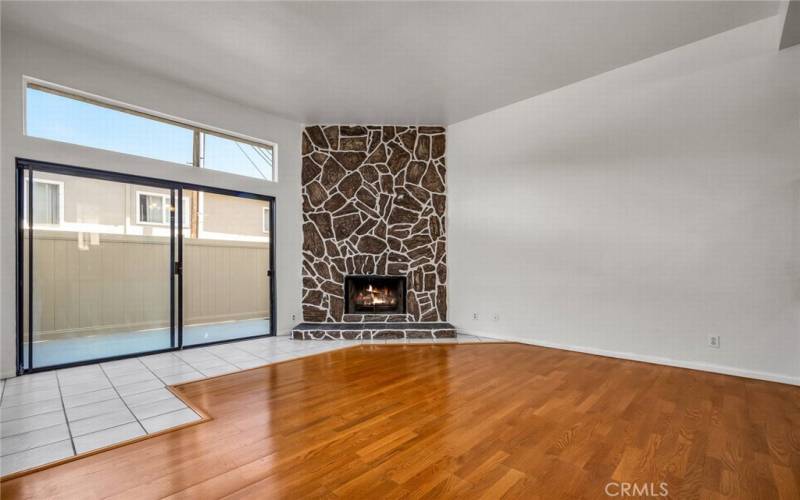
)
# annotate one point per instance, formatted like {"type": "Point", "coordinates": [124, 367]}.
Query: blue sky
{"type": "Point", "coordinates": [59, 118]}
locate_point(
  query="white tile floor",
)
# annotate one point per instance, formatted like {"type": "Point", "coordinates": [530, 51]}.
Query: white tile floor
{"type": "Point", "coordinates": [48, 416]}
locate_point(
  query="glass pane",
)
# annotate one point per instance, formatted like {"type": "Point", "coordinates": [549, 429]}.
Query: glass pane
{"type": "Point", "coordinates": [46, 200]}
{"type": "Point", "coordinates": [101, 282]}
{"type": "Point", "coordinates": [25, 281]}
{"type": "Point", "coordinates": [235, 157]}
{"type": "Point", "coordinates": [225, 265]}
{"type": "Point", "coordinates": [52, 116]}
{"type": "Point", "coordinates": [151, 209]}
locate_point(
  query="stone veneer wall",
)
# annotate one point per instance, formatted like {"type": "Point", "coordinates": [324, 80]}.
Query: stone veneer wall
{"type": "Point", "coordinates": [374, 203]}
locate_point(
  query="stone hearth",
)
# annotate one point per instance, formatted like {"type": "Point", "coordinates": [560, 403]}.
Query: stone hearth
{"type": "Point", "coordinates": [372, 331]}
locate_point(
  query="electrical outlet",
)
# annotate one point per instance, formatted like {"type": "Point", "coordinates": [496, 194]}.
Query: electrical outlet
{"type": "Point", "coordinates": [713, 341]}
{"type": "Point", "coordinates": [496, 317]}
{"type": "Point", "coordinates": [294, 317]}
{"type": "Point", "coordinates": [474, 315]}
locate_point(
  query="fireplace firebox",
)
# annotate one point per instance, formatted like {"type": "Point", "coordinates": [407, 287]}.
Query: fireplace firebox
{"type": "Point", "coordinates": [375, 294]}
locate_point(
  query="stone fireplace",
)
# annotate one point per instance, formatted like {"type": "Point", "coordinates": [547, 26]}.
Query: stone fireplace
{"type": "Point", "coordinates": [374, 225]}
{"type": "Point", "coordinates": [374, 203]}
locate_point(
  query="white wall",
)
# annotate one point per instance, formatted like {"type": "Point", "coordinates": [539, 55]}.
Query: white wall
{"type": "Point", "coordinates": [25, 56]}
{"type": "Point", "coordinates": [637, 212]}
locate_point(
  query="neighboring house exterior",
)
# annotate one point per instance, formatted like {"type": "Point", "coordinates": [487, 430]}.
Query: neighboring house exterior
{"type": "Point", "coordinates": [102, 256]}
{"type": "Point", "coordinates": [68, 203]}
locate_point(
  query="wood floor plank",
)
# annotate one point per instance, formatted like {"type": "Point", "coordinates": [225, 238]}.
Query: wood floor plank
{"type": "Point", "coordinates": [454, 421]}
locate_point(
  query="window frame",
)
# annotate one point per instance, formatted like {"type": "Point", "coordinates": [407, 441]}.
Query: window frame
{"type": "Point", "coordinates": [265, 220]}
{"type": "Point", "coordinates": [25, 263]}
{"type": "Point", "coordinates": [164, 208]}
{"type": "Point", "coordinates": [198, 129]}
{"type": "Point", "coordinates": [47, 225]}
{"type": "Point", "coordinates": [164, 212]}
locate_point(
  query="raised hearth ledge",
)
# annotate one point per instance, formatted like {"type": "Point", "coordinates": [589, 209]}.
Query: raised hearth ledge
{"type": "Point", "coordinates": [372, 331]}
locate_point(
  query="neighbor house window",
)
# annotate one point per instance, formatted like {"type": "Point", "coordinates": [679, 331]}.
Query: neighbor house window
{"type": "Point", "coordinates": [67, 116]}
{"type": "Point", "coordinates": [48, 202]}
{"type": "Point", "coordinates": [153, 209]}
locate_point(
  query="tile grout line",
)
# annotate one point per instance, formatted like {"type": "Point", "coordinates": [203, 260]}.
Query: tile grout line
{"type": "Point", "coordinates": [293, 354]}
{"type": "Point", "coordinates": [92, 416]}
{"type": "Point", "coordinates": [268, 361]}
{"type": "Point", "coordinates": [32, 431]}
{"type": "Point", "coordinates": [108, 429]}
{"type": "Point", "coordinates": [92, 402]}
{"type": "Point", "coordinates": [241, 350]}
{"type": "Point", "coordinates": [165, 385]}
{"type": "Point", "coordinates": [36, 448]}
{"type": "Point", "coordinates": [154, 373]}
{"type": "Point", "coordinates": [122, 399]}
{"type": "Point", "coordinates": [224, 362]}
{"type": "Point", "coordinates": [238, 368]}
{"type": "Point", "coordinates": [64, 409]}
{"type": "Point", "coordinates": [30, 402]}
{"type": "Point", "coordinates": [6, 422]}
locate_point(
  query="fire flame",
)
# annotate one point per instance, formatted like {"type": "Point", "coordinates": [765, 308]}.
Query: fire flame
{"type": "Point", "coordinates": [376, 296]}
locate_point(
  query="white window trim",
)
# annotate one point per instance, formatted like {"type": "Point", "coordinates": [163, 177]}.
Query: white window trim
{"type": "Point", "coordinates": [265, 220]}
{"type": "Point", "coordinates": [187, 220]}
{"type": "Point", "coordinates": [201, 207]}
{"type": "Point", "coordinates": [166, 209]}
{"type": "Point", "coordinates": [60, 185]}
{"type": "Point", "coordinates": [156, 115]}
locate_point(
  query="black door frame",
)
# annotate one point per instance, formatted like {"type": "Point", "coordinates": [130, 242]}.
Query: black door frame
{"type": "Point", "coordinates": [24, 165]}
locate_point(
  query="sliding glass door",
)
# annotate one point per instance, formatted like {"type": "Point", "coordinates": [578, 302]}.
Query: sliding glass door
{"type": "Point", "coordinates": [98, 270]}
{"type": "Point", "coordinates": [112, 266]}
{"type": "Point", "coordinates": [226, 267]}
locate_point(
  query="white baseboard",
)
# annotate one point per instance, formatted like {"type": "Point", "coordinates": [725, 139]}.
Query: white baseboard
{"type": "Point", "coordinates": [645, 358]}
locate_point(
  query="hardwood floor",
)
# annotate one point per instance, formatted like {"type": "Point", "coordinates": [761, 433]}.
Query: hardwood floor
{"type": "Point", "coordinates": [473, 421]}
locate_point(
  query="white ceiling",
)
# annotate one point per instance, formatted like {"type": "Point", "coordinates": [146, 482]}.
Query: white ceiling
{"type": "Point", "coordinates": [378, 62]}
